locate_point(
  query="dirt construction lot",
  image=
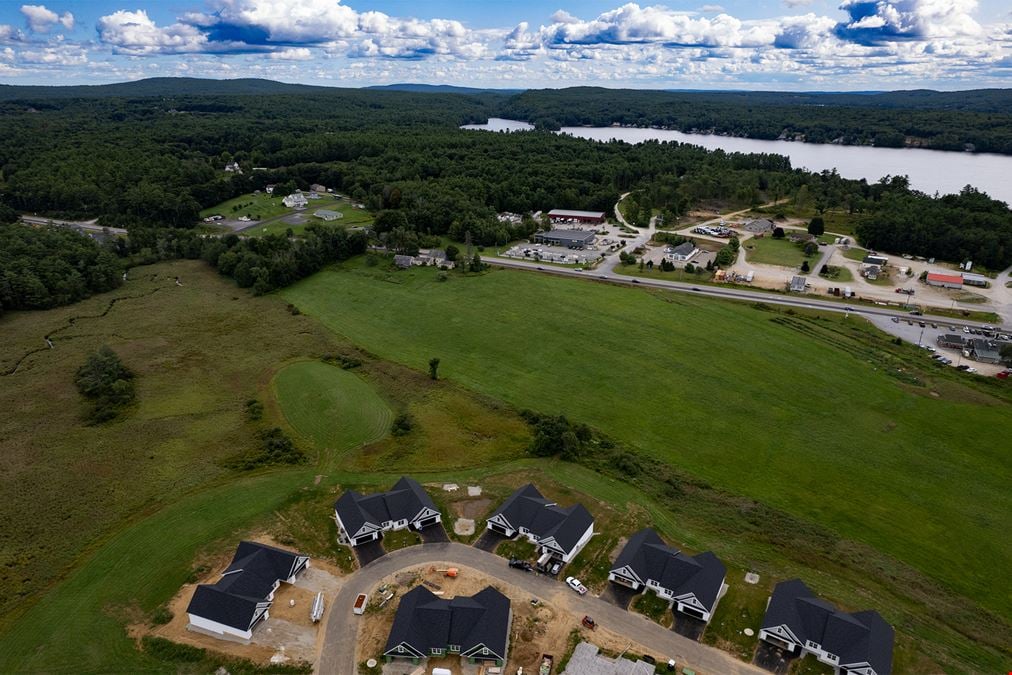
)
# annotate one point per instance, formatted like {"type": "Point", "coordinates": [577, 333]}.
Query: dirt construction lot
{"type": "Point", "coordinates": [536, 629]}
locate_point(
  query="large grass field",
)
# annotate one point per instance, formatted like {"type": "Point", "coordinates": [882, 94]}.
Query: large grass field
{"type": "Point", "coordinates": [103, 524]}
{"type": "Point", "coordinates": [330, 407]}
{"type": "Point", "coordinates": [798, 414]}
{"type": "Point", "coordinates": [352, 218]}
{"type": "Point", "coordinates": [260, 206]}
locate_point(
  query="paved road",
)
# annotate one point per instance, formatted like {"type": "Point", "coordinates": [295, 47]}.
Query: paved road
{"type": "Point", "coordinates": [727, 293]}
{"type": "Point", "coordinates": [83, 225]}
{"type": "Point", "coordinates": [342, 627]}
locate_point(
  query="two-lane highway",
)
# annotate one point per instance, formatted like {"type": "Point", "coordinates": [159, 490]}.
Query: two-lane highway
{"type": "Point", "coordinates": [719, 292]}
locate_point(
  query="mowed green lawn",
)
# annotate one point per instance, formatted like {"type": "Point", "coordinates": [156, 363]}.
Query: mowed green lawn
{"type": "Point", "coordinates": [333, 408]}
{"type": "Point", "coordinates": [352, 218]}
{"type": "Point", "coordinates": [719, 390]}
{"type": "Point", "coordinates": [261, 206]}
{"type": "Point", "coordinates": [771, 251]}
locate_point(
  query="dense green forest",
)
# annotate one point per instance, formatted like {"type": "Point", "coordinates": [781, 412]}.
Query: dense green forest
{"type": "Point", "coordinates": [981, 120]}
{"type": "Point", "coordinates": [151, 163]}
{"type": "Point", "coordinates": [47, 267]}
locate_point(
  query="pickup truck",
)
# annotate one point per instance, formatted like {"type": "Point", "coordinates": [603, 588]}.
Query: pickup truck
{"type": "Point", "coordinates": [575, 584]}
{"type": "Point", "coordinates": [360, 603]}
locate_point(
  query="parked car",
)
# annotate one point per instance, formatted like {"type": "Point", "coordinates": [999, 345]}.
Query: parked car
{"type": "Point", "coordinates": [360, 603]}
{"type": "Point", "coordinates": [971, 370]}
{"type": "Point", "coordinates": [575, 584]}
{"type": "Point", "coordinates": [555, 568]}
{"type": "Point", "coordinates": [521, 565]}
{"type": "Point", "coordinates": [649, 659]}
{"type": "Point", "coordinates": [963, 367]}
{"type": "Point", "coordinates": [896, 319]}
{"type": "Point", "coordinates": [589, 623]}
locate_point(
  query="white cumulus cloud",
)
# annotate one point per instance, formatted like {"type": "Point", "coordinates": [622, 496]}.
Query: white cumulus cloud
{"type": "Point", "coordinates": [136, 34]}
{"type": "Point", "coordinates": [41, 19]}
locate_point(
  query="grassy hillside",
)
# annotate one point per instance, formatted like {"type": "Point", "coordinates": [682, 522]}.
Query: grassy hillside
{"type": "Point", "coordinates": [804, 415]}
{"type": "Point", "coordinates": [199, 351]}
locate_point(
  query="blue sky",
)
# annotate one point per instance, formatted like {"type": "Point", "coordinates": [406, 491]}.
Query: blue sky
{"type": "Point", "coordinates": [714, 44]}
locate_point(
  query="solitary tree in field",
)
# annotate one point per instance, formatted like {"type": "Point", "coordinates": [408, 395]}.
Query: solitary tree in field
{"type": "Point", "coordinates": [804, 266]}
{"type": "Point", "coordinates": [816, 227]}
{"type": "Point", "coordinates": [434, 368]}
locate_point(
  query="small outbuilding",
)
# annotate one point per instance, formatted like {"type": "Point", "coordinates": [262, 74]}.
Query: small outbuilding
{"type": "Point", "coordinates": [328, 214]}
{"type": "Point", "coordinates": [798, 284]}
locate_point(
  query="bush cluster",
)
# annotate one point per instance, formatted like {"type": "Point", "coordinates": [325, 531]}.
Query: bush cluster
{"type": "Point", "coordinates": [107, 383]}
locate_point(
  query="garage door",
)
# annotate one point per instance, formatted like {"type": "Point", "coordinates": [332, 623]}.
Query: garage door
{"type": "Point", "coordinates": [428, 521]}
{"type": "Point", "coordinates": [364, 539]}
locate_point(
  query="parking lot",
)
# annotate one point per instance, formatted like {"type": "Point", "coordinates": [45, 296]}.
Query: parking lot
{"type": "Point", "coordinates": [911, 331]}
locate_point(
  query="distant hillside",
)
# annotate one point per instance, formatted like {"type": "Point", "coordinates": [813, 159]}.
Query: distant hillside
{"type": "Point", "coordinates": [161, 86]}
{"type": "Point", "coordinates": [443, 89]}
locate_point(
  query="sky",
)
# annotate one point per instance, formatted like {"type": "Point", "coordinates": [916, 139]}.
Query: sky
{"type": "Point", "coordinates": [789, 45]}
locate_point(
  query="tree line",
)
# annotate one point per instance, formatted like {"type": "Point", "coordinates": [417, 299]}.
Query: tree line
{"type": "Point", "coordinates": [977, 120]}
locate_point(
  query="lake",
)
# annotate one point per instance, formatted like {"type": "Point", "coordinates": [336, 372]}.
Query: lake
{"type": "Point", "coordinates": [929, 171]}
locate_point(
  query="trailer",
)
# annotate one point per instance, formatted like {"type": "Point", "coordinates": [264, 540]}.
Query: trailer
{"type": "Point", "coordinates": [360, 603]}
{"type": "Point", "coordinates": [546, 664]}
{"type": "Point", "coordinates": [316, 613]}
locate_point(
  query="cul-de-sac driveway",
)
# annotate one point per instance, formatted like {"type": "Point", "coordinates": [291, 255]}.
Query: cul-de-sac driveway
{"type": "Point", "coordinates": [340, 637]}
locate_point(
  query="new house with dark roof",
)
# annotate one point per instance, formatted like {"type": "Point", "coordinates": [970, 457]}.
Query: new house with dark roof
{"type": "Point", "coordinates": [557, 531]}
{"type": "Point", "coordinates": [693, 584]}
{"type": "Point", "coordinates": [239, 601]}
{"type": "Point", "coordinates": [476, 627]}
{"type": "Point", "coordinates": [364, 518]}
{"type": "Point", "coordinates": [799, 622]}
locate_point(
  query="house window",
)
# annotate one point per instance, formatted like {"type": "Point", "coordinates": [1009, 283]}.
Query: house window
{"type": "Point", "coordinates": [436, 651]}
{"type": "Point", "coordinates": [400, 649]}
{"type": "Point", "coordinates": [454, 649]}
{"type": "Point", "coordinates": [812, 645]}
{"type": "Point", "coordinates": [484, 651]}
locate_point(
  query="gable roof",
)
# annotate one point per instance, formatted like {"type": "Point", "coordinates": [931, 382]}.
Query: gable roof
{"type": "Point", "coordinates": [684, 248]}
{"type": "Point", "coordinates": [649, 557]}
{"type": "Point", "coordinates": [424, 621]}
{"type": "Point", "coordinates": [403, 501]}
{"type": "Point", "coordinates": [528, 508]}
{"type": "Point", "coordinates": [862, 637]}
{"type": "Point", "coordinates": [246, 583]}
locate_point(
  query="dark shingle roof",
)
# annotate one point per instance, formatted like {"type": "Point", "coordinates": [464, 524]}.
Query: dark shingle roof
{"type": "Point", "coordinates": [424, 621]}
{"type": "Point", "coordinates": [402, 502]}
{"type": "Point", "coordinates": [248, 580]}
{"type": "Point", "coordinates": [684, 248]}
{"type": "Point", "coordinates": [528, 508]}
{"type": "Point", "coordinates": [650, 558]}
{"type": "Point", "coordinates": [862, 637]}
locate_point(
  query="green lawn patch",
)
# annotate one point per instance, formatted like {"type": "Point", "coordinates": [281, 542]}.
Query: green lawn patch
{"type": "Point", "coordinates": [519, 548]}
{"type": "Point", "coordinates": [770, 251]}
{"type": "Point", "coordinates": [400, 539]}
{"type": "Point", "coordinates": [855, 253]}
{"type": "Point", "coordinates": [837, 273]}
{"type": "Point", "coordinates": [743, 606]}
{"type": "Point", "coordinates": [655, 608]}
{"type": "Point", "coordinates": [257, 207]}
{"type": "Point", "coordinates": [332, 408]}
{"type": "Point", "coordinates": [352, 217]}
